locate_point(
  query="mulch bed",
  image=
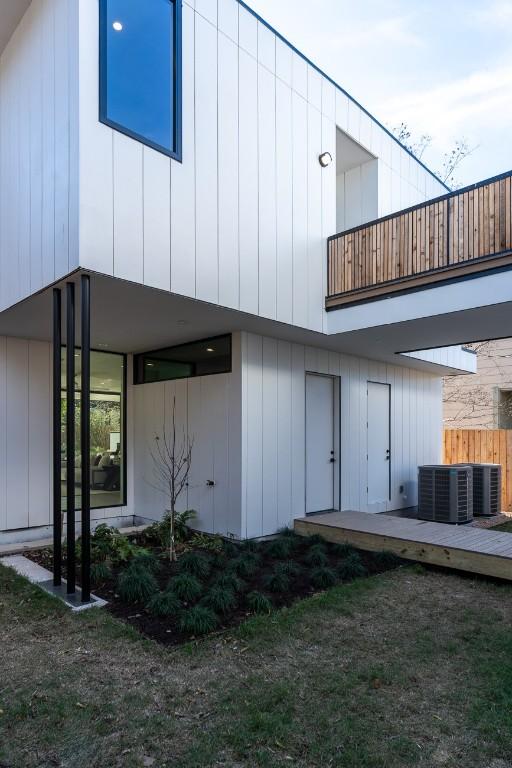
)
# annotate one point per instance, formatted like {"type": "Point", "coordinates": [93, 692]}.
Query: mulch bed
{"type": "Point", "coordinates": [166, 630]}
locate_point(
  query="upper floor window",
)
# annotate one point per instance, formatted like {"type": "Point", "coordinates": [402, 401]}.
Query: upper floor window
{"type": "Point", "coordinates": [140, 71]}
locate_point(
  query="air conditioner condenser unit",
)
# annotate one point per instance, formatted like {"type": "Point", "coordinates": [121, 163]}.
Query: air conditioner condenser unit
{"type": "Point", "coordinates": [486, 488]}
{"type": "Point", "coordinates": [445, 493]}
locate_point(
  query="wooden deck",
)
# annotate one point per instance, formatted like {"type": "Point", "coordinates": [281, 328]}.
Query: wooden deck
{"type": "Point", "coordinates": [464, 548]}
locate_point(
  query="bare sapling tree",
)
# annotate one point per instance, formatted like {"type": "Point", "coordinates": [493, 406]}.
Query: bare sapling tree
{"type": "Point", "coordinates": [172, 456]}
{"type": "Point", "coordinates": [452, 160]}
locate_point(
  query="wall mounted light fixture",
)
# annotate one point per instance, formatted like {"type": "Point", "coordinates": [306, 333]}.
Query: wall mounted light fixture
{"type": "Point", "coordinates": [325, 159]}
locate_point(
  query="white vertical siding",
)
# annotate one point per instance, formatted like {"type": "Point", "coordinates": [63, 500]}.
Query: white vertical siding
{"type": "Point", "coordinates": [156, 219]}
{"type": "Point", "coordinates": [207, 260]}
{"type": "Point", "coordinates": [250, 207]}
{"type": "Point", "coordinates": [208, 414]}
{"type": "Point", "coordinates": [38, 174]}
{"type": "Point", "coordinates": [183, 176]}
{"type": "Point", "coordinates": [248, 179]}
{"type": "Point", "coordinates": [273, 406]}
{"type": "Point", "coordinates": [128, 209]}
{"type": "Point", "coordinates": [267, 193]}
{"type": "Point", "coordinates": [229, 271]}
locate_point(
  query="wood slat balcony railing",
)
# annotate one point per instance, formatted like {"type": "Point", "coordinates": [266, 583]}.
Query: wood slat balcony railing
{"type": "Point", "coordinates": [463, 232]}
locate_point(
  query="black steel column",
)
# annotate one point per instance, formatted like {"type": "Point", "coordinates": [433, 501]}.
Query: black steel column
{"type": "Point", "coordinates": [85, 436]}
{"type": "Point", "coordinates": [70, 437]}
{"type": "Point", "coordinates": [57, 438]}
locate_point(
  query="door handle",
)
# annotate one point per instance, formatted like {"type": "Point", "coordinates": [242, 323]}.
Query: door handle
{"type": "Point", "coordinates": [388, 454]}
{"type": "Point", "coordinates": [210, 483]}
{"type": "Point", "coordinates": [332, 460]}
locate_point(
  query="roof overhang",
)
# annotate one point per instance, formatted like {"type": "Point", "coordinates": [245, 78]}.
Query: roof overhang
{"type": "Point", "coordinates": [11, 13]}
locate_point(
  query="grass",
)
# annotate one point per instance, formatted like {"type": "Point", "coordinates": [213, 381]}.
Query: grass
{"type": "Point", "coordinates": [504, 528]}
{"type": "Point", "coordinates": [408, 668]}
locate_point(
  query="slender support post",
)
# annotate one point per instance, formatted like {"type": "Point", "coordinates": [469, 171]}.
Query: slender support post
{"type": "Point", "coordinates": [85, 436]}
{"type": "Point", "coordinates": [70, 437]}
{"type": "Point", "coordinates": [57, 438]}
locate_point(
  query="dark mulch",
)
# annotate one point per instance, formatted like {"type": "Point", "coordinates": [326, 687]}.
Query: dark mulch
{"type": "Point", "coordinates": [166, 630]}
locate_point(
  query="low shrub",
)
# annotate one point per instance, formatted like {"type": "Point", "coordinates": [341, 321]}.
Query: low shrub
{"type": "Point", "coordinates": [231, 549]}
{"type": "Point", "coordinates": [109, 545]}
{"type": "Point", "coordinates": [386, 559]}
{"type": "Point", "coordinates": [207, 543]}
{"type": "Point", "coordinates": [100, 572]}
{"type": "Point", "coordinates": [147, 559]}
{"type": "Point", "coordinates": [279, 548]}
{"type": "Point", "coordinates": [136, 584]}
{"type": "Point", "coordinates": [323, 577]}
{"type": "Point", "coordinates": [249, 545]}
{"type": "Point", "coordinates": [316, 556]}
{"type": "Point", "coordinates": [352, 567]}
{"type": "Point", "coordinates": [342, 550]}
{"type": "Point", "coordinates": [257, 602]}
{"type": "Point", "coordinates": [315, 539]}
{"type": "Point", "coordinates": [277, 580]}
{"type": "Point", "coordinates": [291, 568]}
{"type": "Point", "coordinates": [164, 603]}
{"type": "Point", "coordinates": [195, 563]}
{"type": "Point", "coordinates": [186, 586]}
{"type": "Point", "coordinates": [229, 580]}
{"type": "Point", "coordinates": [220, 599]}
{"type": "Point", "coordinates": [160, 532]}
{"type": "Point", "coordinates": [246, 564]}
{"type": "Point", "coordinates": [198, 620]}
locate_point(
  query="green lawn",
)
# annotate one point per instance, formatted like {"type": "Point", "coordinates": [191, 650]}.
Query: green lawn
{"type": "Point", "coordinates": [504, 527]}
{"type": "Point", "coordinates": [409, 668]}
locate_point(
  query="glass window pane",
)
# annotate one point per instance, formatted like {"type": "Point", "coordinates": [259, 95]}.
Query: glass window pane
{"type": "Point", "coordinates": [199, 358]}
{"type": "Point", "coordinates": [107, 430]}
{"type": "Point", "coordinates": [138, 76]}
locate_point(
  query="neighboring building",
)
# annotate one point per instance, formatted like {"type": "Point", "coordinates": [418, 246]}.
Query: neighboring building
{"type": "Point", "coordinates": [194, 165]}
{"type": "Point", "coordinates": [482, 401]}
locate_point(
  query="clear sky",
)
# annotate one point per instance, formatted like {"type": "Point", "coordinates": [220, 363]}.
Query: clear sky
{"type": "Point", "coordinates": [442, 66]}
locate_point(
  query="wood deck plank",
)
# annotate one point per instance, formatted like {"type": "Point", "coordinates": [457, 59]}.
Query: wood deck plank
{"type": "Point", "coordinates": [465, 548]}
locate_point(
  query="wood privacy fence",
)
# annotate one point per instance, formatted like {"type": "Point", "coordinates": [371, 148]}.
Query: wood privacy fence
{"type": "Point", "coordinates": [462, 230]}
{"type": "Point", "coordinates": [492, 446]}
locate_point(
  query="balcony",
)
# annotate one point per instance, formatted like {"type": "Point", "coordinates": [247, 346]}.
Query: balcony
{"type": "Point", "coordinates": [447, 239]}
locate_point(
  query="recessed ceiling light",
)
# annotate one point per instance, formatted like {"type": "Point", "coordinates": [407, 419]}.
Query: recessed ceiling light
{"type": "Point", "coordinates": [150, 365]}
{"type": "Point", "coordinates": [117, 26]}
{"type": "Point", "coordinates": [181, 322]}
{"type": "Point", "coordinates": [210, 349]}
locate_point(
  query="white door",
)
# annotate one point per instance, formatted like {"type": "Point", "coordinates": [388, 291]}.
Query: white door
{"type": "Point", "coordinates": [320, 450]}
{"type": "Point", "coordinates": [379, 446]}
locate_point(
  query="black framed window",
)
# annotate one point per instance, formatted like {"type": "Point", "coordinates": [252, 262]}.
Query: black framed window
{"type": "Point", "coordinates": [198, 358]}
{"type": "Point", "coordinates": [107, 419]}
{"type": "Point", "coordinates": [140, 71]}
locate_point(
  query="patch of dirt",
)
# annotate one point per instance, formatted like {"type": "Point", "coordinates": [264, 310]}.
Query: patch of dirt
{"type": "Point", "coordinates": [166, 630]}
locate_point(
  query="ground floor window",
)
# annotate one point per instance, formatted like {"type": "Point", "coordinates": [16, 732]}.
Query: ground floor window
{"type": "Point", "coordinates": [107, 420]}
{"type": "Point", "coordinates": [197, 358]}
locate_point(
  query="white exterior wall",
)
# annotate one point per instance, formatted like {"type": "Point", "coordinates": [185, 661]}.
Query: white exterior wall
{"type": "Point", "coordinates": [273, 416]}
{"type": "Point", "coordinates": [243, 221]}
{"type": "Point", "coordinates": [357, 195]}
{"type": "Point", "coordinates": [39, 150]}
{"type": "Point", "coordinates": [208, 412]}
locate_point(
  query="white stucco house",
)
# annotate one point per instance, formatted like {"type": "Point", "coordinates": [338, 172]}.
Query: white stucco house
{"type": "Point", "coordinates": [197, 168]}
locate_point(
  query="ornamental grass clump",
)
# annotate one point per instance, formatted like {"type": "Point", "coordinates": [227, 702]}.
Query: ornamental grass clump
{"type": "Point", "coordinates": [230, 580]}
{"type": "Point", "coordinates": [198, 620]}
{"type": "Point", "coordinates": [386, 559]}
{"type": "Point", "coordinates": [146, 559]}
{"type": "Point", "coordinates": [136, 584]}
{"type": "Point", "coordinates": [220, 599]}
{"type": "Point", "coordinates": [164, 604]}
{"type": "Point", "coordinates": [257, 602]}
{"type": "Point", "coordinates": [186, 586]}
{"type": "Point", "coordinates": [195, 563]}
{"type": "Point", "coordinates": [246, 564]}
{"type": "Point", "coordinates": [100, 572]}
{"type": "Point", "coordinates": [279, 548]}
{"type": "Point", "coordinates": [316, 556]}
{"type": "Point", "coordinates": [323, 577]}
{"type": "Point", "coordinates": [352, 567]}
{"type": "Point", "coordinates": [277, 580]}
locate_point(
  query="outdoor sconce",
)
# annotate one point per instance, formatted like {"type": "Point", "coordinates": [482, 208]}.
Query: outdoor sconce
{"type": "Point", "coordinates": [325, 159]}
